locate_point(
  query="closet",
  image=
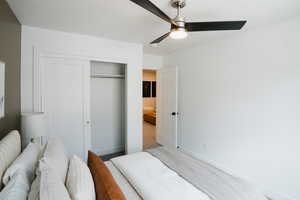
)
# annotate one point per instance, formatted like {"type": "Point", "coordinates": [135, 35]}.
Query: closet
{"type": "Point", "coordinates": [107, 107]}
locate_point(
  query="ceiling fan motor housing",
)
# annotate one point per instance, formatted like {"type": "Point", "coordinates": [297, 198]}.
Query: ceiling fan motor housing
{"type": "Point", "coordinates": [180, 21]}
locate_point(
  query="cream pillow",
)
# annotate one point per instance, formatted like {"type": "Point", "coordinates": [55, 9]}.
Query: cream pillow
{"type": "Point", "coordinates": [52, 187]}
{"type": "Point", "coordinates": [53, 156]}
{"type": "Point", "coordinates": [26, 163]}
{"type": "Point", "coordinates": [16, 189]}
{"type": "Point", "coordinates": [34, 193]}
{"type": "Point", "coordinates": [10, 148]}
{"type": "Point", "coordinates": [56, 158]}
{"type": "Point", "coordinates": [80, 182]}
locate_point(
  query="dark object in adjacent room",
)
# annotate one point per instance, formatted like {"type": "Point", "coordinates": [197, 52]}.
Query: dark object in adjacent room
{"type": "Point", "coordinates": [146, 89]}
{"type": "Point", "coordinates": [153, 88]}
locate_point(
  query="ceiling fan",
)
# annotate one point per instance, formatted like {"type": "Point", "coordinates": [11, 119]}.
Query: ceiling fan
{"type": "Point", "coordinates": [179, 27]}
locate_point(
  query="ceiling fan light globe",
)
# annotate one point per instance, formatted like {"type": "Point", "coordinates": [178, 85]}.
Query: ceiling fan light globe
{"type": "Point", "coordinates": [178, 34]}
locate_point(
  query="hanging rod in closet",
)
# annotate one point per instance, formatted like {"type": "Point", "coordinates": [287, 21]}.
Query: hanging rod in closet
{"type": "Point", "coordinates": [108, 76]}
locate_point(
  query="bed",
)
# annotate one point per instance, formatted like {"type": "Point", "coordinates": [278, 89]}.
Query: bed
{"type": "Point", "coordinates": [150, 117]}
{"type": "Point", "coordinates": [156, 174]}
{"type": "Point", "coordinates": [162, 173]}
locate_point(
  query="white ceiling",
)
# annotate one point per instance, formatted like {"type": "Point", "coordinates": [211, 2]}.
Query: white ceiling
{"type": "Point", "coordinates": [123, 20]}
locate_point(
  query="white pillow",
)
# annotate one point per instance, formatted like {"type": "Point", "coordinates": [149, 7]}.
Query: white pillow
{"type": "Point", "coordinates": [53, 156]}
{"type": "Point", "coordinates": [26, 163]}
{"type": "Point", "coordinates": [56, 158]}
{"type": "Point", "coordinates": [10, 148]}
{"type": "Point", "coordinates": [52, 188]}
{"type": "Point", "coordinates": [34, 193]}
{"type": "Point", "coordinates": [16, 189]}
{"type": "Point", "coordinates": [80, 182]}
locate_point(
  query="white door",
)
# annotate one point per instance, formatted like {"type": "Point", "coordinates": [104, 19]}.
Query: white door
{"type": "Point", "coordinates": [65, 102]}
{"type": "Point", "coordinates": [167, 108]}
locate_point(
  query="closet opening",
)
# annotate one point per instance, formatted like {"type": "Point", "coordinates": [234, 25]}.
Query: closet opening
{"type": "Point", "coordinates": [107, 109]}
{"type": "Point", "coordinates": [149, 109]}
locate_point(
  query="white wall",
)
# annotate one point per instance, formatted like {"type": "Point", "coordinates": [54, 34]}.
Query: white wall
{"type": "Point", "coordinates": [153, 62]}
{"type": "Point", "coordinates": [239, 104]}
{"type": "Point", "coordinates": [89, 48]}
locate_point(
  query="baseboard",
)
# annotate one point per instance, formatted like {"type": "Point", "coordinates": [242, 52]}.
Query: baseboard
{"type": "Point", "coordinates": [107, 151]}
{"type": "Point", "coordinates": [269, 193]}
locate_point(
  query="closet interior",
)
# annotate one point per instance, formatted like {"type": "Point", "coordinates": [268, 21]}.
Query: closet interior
{"type": "Point", "coordinates": [107, 107]}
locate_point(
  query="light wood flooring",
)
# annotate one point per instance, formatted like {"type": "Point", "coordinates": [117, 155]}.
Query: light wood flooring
{"type": "Point", "coordinates": [149, 136]}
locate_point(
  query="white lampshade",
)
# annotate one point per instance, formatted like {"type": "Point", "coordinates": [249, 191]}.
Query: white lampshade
{"type": "Point", "coordinates": [33, 127]}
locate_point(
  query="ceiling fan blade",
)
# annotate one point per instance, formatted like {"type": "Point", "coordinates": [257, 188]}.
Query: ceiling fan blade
{"type": "Point", "coordinates": [148, 5]}
{"type": "Point", "coordinates": [158, 40]}
{"type": "Point", "coordinates": [214, 26]}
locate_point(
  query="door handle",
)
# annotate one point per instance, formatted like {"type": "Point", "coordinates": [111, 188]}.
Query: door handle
{"type": "Point", "coordinates": [174, 113]}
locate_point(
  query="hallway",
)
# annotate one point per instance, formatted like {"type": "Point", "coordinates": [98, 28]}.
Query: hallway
{"type": "Point", "coordinates": [149, 133]}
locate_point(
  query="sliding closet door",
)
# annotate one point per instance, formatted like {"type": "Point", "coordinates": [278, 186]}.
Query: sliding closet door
{"type": "Point", "coordinates": [66, 97]}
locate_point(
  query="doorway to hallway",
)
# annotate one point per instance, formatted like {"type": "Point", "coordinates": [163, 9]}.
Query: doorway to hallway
{"type": "Point", "coordinates": [149, 109]}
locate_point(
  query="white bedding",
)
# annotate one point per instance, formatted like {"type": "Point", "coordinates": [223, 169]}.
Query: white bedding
{"type": "Point", "coordinates": [25, 163]}
{"type": "Point", "coordinates": [217, 184]}
{"type": "Point", "coordinates": [155, 181]}
{"type": "Point", "coordinates": [124, 185]}
{"type": "Point", "coordinates": [17, 188]}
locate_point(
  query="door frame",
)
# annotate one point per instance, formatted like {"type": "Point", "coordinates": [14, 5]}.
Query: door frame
{"type": "Point", "coordinates": [159, 128]}
{"type": "Point", "coordinates": [38, 88]}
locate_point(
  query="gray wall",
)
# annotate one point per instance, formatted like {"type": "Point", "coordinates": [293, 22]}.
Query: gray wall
{"type": "Point", "coordinates": [10, 53]}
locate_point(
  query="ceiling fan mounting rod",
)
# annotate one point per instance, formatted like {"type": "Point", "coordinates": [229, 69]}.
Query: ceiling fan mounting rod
{"type": "Point", "coordinates": [179, 4]}
{"type": "Point", "coordinates": [178, 11]}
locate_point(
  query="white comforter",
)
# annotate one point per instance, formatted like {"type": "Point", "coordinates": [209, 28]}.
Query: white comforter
{"type": "Point", "coordinates": [155, 181]}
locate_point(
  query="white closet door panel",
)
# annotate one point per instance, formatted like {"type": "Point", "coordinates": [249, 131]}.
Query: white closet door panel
{"type": "Point", "coordinates": [65, 102]}
{"type": "Point", "coordinates": [107, 115]}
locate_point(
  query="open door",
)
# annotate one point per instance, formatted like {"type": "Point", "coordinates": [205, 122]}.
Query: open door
{"type": "Point", "coordinates": [167, 107]}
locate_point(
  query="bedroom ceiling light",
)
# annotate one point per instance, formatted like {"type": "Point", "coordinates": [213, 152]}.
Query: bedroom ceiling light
{"type": "Point", "coordinates": [178, 34]}
{"type": "Point", "coordinates": [180, 27]}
